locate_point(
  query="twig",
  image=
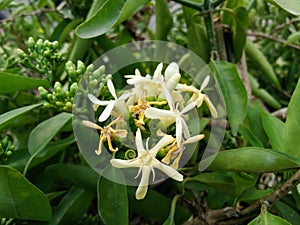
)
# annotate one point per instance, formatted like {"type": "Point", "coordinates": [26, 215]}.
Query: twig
{"type": "Point", "coordinates": [281, 113]}
{"type": "Point", "coordinates": [294, 20]}
{"type": "Point", "coordinates": [279, 40]}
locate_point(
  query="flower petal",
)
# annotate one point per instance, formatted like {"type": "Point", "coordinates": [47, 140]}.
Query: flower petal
{"type": "Point", "coordinates": [120, 163]}
{"type": "Point", "coordinates": [155, 113]}
{"type": "Point", "coordinates": [173, 81]}
{"type": "Point", "coordinates": [189, 107]}
{"type": "Point", "coordinates": [210, 106]}
{"type": "Point", "coordinates": [171, 69]}
{"type": "Point", "coordinates": [157, 72]}
{"type": "Point", "coordinates": [178, 130]}
{"type": "Point", "coordinates": [111, 88]}
{"type": "Point", "coordinates": [121, 133]}
{"type": "Point", "coordinates": [91, 125]}
{"type": "Point", "coordinates": [143, 186]}
{"type": "Point", "coordinates": [205, 83]}
{"type": "Point", "coordinates": [194, 139]}
{"type": "Point", "coordinates": [185, 129]}
{"type": "Point", "coordinates": [164, 141]}
{"type": "Point", "coordinates": [96, 101]}
{"type": "Point", "coordinates": [139, 142]}
{"type": "Point", "coordinates": [168, 170]}
{"type": "Point", "coordinates": [107, 111]}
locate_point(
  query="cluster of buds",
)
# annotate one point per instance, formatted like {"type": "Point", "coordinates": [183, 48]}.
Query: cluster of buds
{"type": "Point", "coordinates": [6, 148]}
{"type": "Point", "coordinates": [158, 99]}
{"type": "Point", "coordinates": [43, 57]}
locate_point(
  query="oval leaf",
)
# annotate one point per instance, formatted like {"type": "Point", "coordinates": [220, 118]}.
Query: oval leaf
{"type": "Point", "coordinates": [45, 131]}
{"type": "Point", "coordinates": [13, 114]}
{"type": "Point", "coordinates": [291, 6]}
{"type": "Point", "coordinates": [108, 15]}
{"type": "Point", "coordinates": [291, 140]}
{"type": "Point", "coordinates": [112, 198]}
{"type": "Point", "coordinates": [234, 92]}
{"type": "Point", "coordinates": [251, 159]}
{"type": "Point", "coordinates": [20, 199]}
{"type": "Point", "coordinates": [10, 83]}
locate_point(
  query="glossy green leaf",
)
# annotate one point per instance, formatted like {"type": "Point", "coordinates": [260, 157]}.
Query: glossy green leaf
{"type": "Point", "coordinates": [112, 198]}
{"type": "Point", "coordinates": [244, 181]}
{"type": "Point", "coordinates": [250, 136]}
{"type": "Point", "coordinates": [287, 212]}
{"type": "Point", "coordinates": [14, 114]}
{"type": "Point", "coordinates": [290, 138]}
{"type": "Point", "coordinates": [20, 199]}
{"type": "Point", "coordinates": [266, 218]}
{"type": "Point", "coordinates": [274, 128]}
{"type": "Point", "coordinates": [218, 180]}
{"type": "Point", "coordinates": [72, 207]}
{"type": "Point", "coordinates": [239, 27]}
{"type": "Point", "coordinates": [10, 83]}
{"type": "Point", "coordinates": [234, 92]}
{"type": "Point", "coordinates": [260, 60]}
{"type": "Point", "coordinates": [108, 15]}
{"type": "Point", "coordinates": [291, 6]}
{"type": "Point", "coordinates": [81, 176]}
{"type": "Point", "coordinates": [252, 195]}
{"type": "Point", "coordinates": [251, 159]}
{"type": "Point", "coordinates": [4, 4]}
{"type": "Point", "coordinates": [42, 134]}
{"type": "Point", "coordinates": [294, 38]}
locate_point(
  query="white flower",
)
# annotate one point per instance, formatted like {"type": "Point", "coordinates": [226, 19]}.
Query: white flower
{"type": "Point", "coordinates": [198, 97]}
{"type": "Point", "coordinates": [146, 162]}
{"type": "Point", "coordinates": [173, 114]}
{"type": "Point", "coordinates": [109, 104]}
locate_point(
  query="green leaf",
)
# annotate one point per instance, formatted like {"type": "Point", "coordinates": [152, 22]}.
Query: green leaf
{"type": "Point", "coordinates": [266, 218]}
{"type": "Point", "coordinates": [243, 181]}
{"type": "Point", "coordinates": [112, 198]}
{"type": "Point", "coordinates": [294, 38]}
{"type": "Point", "coordinates": [164, 19]}
{"type": "Point", "coordinates": [274, 128]}
{"type": "Point", "coordinates": [291, 6]}
{"type": "Point", "coordinates": [108, 15]}
{"type": "Point", "coordinates": [234, 92]}
{"type": "Point", "coordinates": [20, 199]}
{"type": "Point", "coordinates": [251, 159]}
{"type": "Point", "coordinates": [239, 27]}
{"type": "Point", "coordinates": [72, 207]}
{"type": "Point", "coordinates": [251, 137]}
{"type": "Point", "coordinates": [42, 134]}
{"type": "Point", "coordinates": [287, 212]}
{"type": "Point", "coordinates": [252, 195]}
{"type": "Point", "coordinates": [4, 4]}
{"type": "Point", "coordinates": [218, 180]}
{"type": "Point", "coordinates": [14, 114]}
{"type": "Point", "coordinates": [81, 176]}
{"type": "Point", "coordinates": [259, 60]}
{"type": "Point", "coordinates": [170, 219]}
{"type": "Point", "coordinates": [290, 138]}
{"type": "Point", "coordinates": [10, 83]}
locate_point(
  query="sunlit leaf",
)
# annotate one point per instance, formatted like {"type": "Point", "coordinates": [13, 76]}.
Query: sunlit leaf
{"type": "Point", "coordinates": [20, 199]}
{"type": "Point", "coordinates": [251, 159]}
{"type": "Point", "coordinates": [234, 92]}
{"type": "Point", "coordinates": [42, 134]}
{"type": "Point", "coordinates": [290, 138]}
{"type": "Point", "coordinates": [291, 6]}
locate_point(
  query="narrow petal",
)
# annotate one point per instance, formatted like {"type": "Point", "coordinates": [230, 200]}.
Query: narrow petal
{"type": "Point", "coordinates": [157, 72]}
{"type": "Point", "coordinates": [137, 72]}
{"type": "Point", "coordinates": [171, 69]}
{"type": "Point", "coordinates": [155, 113]}
{"type": "Point", "coordinates": [189, 107]}
{"type": "Point", "coordinates": [91, 125]}
{"type": "Point", "coordinates": [139, 142]}
{"type": "Point", "coordinates": [194, 139]}
{"type": "Point", "coordinates": [178, 131]}
{"type": "Point", "coordinates": [143, 186]}
{"type": "Point", "coordinates": [120, 163]}
{"type": "Point", "coordinates": [173, 81]}
{"type": "Point", "coordinates": [205, 83]}
{"type": "Point", "coordinates": [107, 111]}
{"type": "Point", "coordinates": [210, 106]}
{"type": "Point", "coordinates": [163, 142]}
{"type": "Point", "coordinates": [167, 170]}
{"type": "Point", "coordinates": [111, 88]}
{"type": "Point", "coordinates": [185, 129]}
{"type": "Point", "coordinates": [168, 97]}
{"type": "Point", "coordinates": [96, 101]}
{"type": "Point", "coordinates": [186, 88]}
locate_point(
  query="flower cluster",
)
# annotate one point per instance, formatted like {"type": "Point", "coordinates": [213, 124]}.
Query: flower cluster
{"type": "Point", "coordinates": [160, 98]}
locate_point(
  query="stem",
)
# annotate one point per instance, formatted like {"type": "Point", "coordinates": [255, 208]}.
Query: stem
{"type": "Point", "coordinates": [209, 24]}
